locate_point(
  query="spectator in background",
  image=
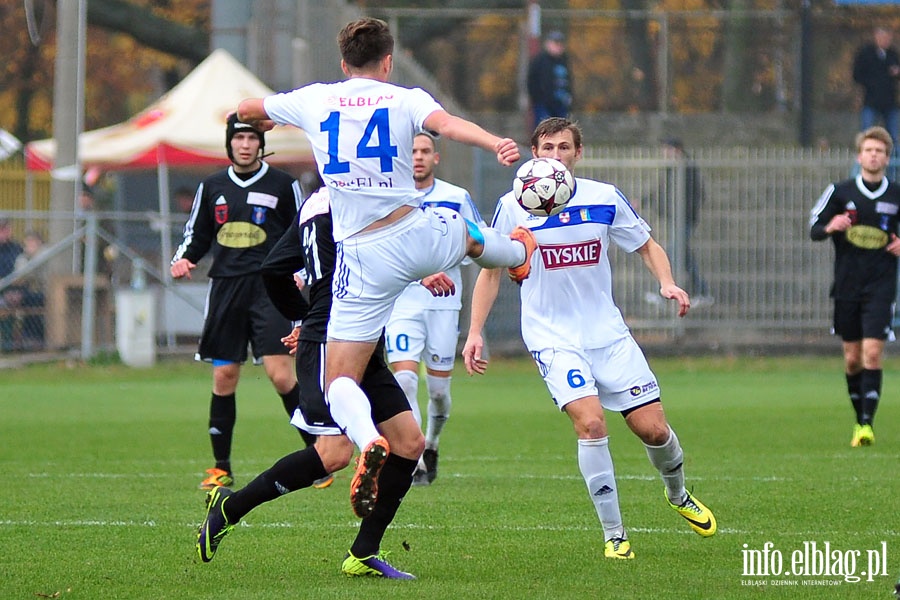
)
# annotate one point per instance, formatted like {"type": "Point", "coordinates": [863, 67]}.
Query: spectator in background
{"type": "Point", "coordinates": [689, 187]}
{"type": "Point", "coordinates": [9, 249]}
{"type": "Point", "coordinates": [877, 68]}
{"type": "Point", "coordinates": [107, 253]}
{"type": "Point", "coordinates": [550, 79]}
{"type": "Point", "coordinates": [32, 289]}
{"type": "Point", "coordinates": [11, 296]}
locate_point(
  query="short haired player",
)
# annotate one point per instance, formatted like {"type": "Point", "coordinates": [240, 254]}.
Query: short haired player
{"type": "Point", "coordinates": [361, 130]}
{"type": "Point", "coordinates": [237, 216]}
{"type": "Point", "coordinates": [423, 327]}
{"type": "Point", "coordinates": [861, 216]}
{"type": "Point", "coordinates": [582, 346]}
{"type": "Point", "coordinates": [308, 247]}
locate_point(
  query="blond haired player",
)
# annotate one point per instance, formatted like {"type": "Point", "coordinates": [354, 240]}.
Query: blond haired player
{"type": "Point", "coordinates": [578, 338]}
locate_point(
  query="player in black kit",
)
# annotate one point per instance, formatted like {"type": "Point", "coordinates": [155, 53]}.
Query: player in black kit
{"type": "Point", "coordinates": [238, 215]}
{"type": "Point", "coordinates": [861, 217]}
{"type": "Point", "coordinates": [309, 247]}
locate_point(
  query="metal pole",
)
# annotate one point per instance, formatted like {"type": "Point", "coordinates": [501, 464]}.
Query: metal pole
{"type": "Point", "coordinates": [89, 284]}
{"type": "Point", "coordinates": [663, 64]}
{"type": "Point", "coordinates": [806, 75]}
{"type": "Point", "coordinates": [67, 94]}
{"type": "Point", "coordinates": [165, 233]}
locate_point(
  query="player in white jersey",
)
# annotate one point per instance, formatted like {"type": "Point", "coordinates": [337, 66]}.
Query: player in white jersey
{"type": "Point", "coordinates": [578, 338]}
{"type": "Point", "coordinates": [425, 327]}
{"type": "Point", "coordinates": [361, 130]}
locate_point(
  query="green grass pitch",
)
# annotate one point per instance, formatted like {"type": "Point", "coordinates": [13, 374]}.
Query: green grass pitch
{"type": "Point", "coordinates": [99, 467]}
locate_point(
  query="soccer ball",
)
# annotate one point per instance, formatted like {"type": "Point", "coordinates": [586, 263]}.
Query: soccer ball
{"type": "Point", "coordinates": [543, 186]}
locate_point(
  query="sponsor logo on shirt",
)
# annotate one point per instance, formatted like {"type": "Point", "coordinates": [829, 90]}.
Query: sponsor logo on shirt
{"type": "Point", "coordinates": [259, 215]}
{"type": "Point", "coordinates": [240, 234]}
{"type": "Point", "coordinates": [221, 210]}
{"type": "Point", "coordinates": [886, 208]}
{"type": "Point", "coordinates": [358, 100]}
{"type": "Point", "coordinates": [361, 182]}
{"type": "Point", "coordinates": [867, 237]}
{"type": "Point", "coordinates": [260, 199]}
{"type": "Point", "coordinates": [561, 256]}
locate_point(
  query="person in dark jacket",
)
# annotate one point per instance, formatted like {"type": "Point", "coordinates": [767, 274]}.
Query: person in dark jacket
{"type": "Point", "coordinates": [877, 68]}
{"type": "Point", "coordinates": [550, 80]}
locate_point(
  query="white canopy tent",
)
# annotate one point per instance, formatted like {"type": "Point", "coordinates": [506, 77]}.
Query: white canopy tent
{"type": "Point", "coordinates": [184, 128]}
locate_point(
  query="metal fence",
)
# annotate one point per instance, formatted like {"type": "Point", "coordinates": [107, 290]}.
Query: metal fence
{"type": "Point", "coordinates": [766, 282]}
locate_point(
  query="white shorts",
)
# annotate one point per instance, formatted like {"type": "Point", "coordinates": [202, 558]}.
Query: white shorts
{"type": "Point", "coordinates": [618, 373]}
{"type": "Point", "coordinates": [429, 335]}
{"type": "Point", "coordinates": [373, 268]}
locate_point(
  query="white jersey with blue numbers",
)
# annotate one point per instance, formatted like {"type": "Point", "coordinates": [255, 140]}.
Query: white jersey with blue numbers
{"type": "Point", "coordinates": [568, 300]}
{"type": "Point", "coordinates": [361, 131]}
{"type": "Point", "coordinates": [415, 297]}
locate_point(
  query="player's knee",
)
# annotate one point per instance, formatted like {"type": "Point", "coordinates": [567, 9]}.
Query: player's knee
{"type": "Point", "coordinates": [283, 382]}
{"type": "Point", "coordinates": [340, 386]}
{"type": "Point", "coordinates": [225, 379]}
{"type": "Point", "coordinates": [408, 443]}
{"type": "Point", "coordinates": [409, 383]}
{"type": "Point", "coordinates": [439, 388]}
{"type": "Point", "coordinates": [655, 434]}
{"type": "Point", "coordinates": [871, 358]}
{"type": "Point", "coordinates": [591, 427]}
{"type": "Point", "coordinates": [335, 452]}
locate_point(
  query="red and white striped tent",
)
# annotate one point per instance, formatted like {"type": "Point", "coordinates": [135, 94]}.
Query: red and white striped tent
{"type": "Point", "coordinates": [184, 127]}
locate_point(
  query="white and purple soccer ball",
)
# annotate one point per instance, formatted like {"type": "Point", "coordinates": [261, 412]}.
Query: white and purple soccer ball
{"type": "Point", "coordinates": [543, 186]}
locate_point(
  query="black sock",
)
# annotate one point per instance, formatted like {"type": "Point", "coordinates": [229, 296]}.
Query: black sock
{"type": "Point", "coordinates": [870, 392]}
{"type": "Point", "coordinates": [853, 389]}
{"type": "Point", "coordinates": [293, 472]}
{"type": "Point", "coordinates": [222, 416]}
{"type": "Point", "coordinates": [393, 483]}
{"type": "Point", "coordinates": [290, 401]}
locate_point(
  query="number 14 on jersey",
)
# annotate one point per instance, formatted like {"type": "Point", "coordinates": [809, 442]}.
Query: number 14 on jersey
{"type": "Point", "coordinates": [377, 127]}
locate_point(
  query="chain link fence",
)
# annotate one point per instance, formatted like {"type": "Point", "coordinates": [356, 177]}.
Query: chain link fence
{"type": "Point", "coordinates": [764, 283]}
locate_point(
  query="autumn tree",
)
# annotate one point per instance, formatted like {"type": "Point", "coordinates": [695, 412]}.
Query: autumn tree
{"type": "Point", "coordinates": [133, 53]}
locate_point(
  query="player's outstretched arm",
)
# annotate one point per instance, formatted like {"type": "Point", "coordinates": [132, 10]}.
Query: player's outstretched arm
{"type": "Point", "coordinates": [467, 132]}
{"type": "Point", "coordinates": [252, 112]}
{"type": "Point", "coordinates": [483, 296]}
{"type": "Point", "coordinates": [657, 262]}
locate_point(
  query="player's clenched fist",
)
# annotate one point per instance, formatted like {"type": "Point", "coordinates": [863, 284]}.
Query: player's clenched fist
{"type": "Point", "coordinates": [182, 268]}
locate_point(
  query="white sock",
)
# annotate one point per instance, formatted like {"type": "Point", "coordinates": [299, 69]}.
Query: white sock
{"type": "Point", "coordinates": [351, 410]}
{"type": "Point", "coordinates": [409, 383]}
{"type": "Point", "coordinates": [668, 460]}
{"type": "Point", "coordinates": [499, 250]}
{"type": "Point", "coordinates": [596, 466]}
{"type": "Point", "coordinates": [439, 403]}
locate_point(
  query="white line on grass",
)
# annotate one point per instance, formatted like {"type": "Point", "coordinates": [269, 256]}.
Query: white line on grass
{"type": "Point", "coordinates": [448, 475]}
{"type": "Point", "coordinates": [432, 527]}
